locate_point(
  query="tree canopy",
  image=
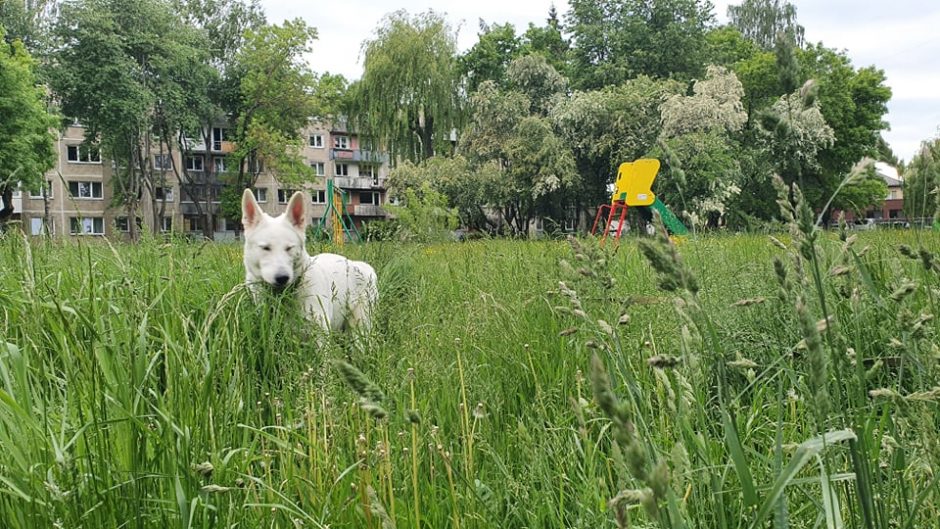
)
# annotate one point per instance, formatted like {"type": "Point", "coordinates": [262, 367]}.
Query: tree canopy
{"type": "Point", "coordinates": [27, 148]}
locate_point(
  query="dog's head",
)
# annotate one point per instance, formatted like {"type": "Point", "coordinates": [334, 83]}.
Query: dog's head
{"type": "Point", "coordinates": [274, 246]}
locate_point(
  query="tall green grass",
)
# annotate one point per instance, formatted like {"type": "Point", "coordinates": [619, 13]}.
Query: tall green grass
{"type": "Point", "coordinates": [140, 386]}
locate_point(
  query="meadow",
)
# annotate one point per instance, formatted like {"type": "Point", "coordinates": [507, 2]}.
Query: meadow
{"type": "Point", "coordinates": [723, 381]}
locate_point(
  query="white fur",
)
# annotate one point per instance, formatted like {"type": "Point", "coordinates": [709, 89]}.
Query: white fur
{"type": "Point", "coordinates": [335, 292]}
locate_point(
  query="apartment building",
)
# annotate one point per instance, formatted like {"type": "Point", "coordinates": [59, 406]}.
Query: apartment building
{"type": "Point", "coordinates": [77, 197]}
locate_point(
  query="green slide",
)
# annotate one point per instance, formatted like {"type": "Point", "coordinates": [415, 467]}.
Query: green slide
{"type": "Point", "coordinates": [669, 219]}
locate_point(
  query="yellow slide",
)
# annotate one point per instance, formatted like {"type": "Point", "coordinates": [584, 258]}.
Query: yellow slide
{"type": "Point", "coordinates": [634, 182]}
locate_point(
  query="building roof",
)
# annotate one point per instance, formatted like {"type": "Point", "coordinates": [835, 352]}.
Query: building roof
{"type": "Point", "coordinates": [889, 173]}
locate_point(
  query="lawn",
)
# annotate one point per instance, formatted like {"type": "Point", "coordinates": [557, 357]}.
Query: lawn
{"type": "Point", "coordinates": [140, 386]}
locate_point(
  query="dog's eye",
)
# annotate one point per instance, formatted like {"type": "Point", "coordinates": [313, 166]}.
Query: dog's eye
{"type": "Point", "coordinates": [290, 248]}
{"type": "Point", "coordinates": [266, 247]}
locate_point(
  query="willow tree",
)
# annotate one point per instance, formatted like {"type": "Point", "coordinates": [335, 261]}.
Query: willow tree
{"type": "Point", "coordinates": [408, 98]}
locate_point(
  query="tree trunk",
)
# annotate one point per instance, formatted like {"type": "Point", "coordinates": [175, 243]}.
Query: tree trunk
{"type": "Point", "coordinates": [7, 193]}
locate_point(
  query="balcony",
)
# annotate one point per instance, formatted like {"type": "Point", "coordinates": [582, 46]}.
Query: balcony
{"type": "Point", "coordinates": [368, 210]}
{"type": "Point", "coordinates": [359, 182]}
{"type": "Point", "coordinates": [358, 155]}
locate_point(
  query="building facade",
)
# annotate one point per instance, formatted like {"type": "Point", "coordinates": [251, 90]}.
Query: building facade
{"type": "Point", "coordinates": [77, 198]}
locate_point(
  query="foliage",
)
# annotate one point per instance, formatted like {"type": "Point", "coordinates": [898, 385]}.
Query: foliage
{"type": "Point", "coordinates": [616, 40]}
{"type": "Point", "coordinates": [145, 56]}
{"type": "Point", "coordinates": [535, 78]}
{"type": "Point", "coordinates": [533, 160]}
{"type": "Point", "coordinates": [423, 215]}
{"type": "Point", "coordinates": [714, 105]}
{"type": "Point", "coordinates": [763, 21]}
{"type": "Point", "coordinates": [27, 147]}
{"type": "Point", "coordinates": [469, 189]}
{"type": "Point", "coordinates": [610, 126]}
{"type": "Point", "coordinates": [488, 59]}
{"type": "Point", "coordinates": [409, 105]}
{"type": "Point", "coordinates": [275, 102]}
{"type": "Point", "coordinates": [922, 180]}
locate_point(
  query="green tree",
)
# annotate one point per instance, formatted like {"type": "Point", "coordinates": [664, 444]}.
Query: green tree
{"type": "Point", "coordinates": [408, 98]}
{"type": "Point", "coordinates": [699, 145]}
{"type": "Point", "coordinates": [141, 51]}
{"type": "Point", "coordinates": [616, 40]}
{"type": "Point", "coordinates": [534, 163]}
{"type": "Point", "coordinates": [549, 42]}
{"type": "Point", "coordinates": [467, 188]}
{"type": "Point", "coordinates": [922, 182]}
{"type": "Point", "coordinates": [535, 78]}
{"type": "Point", "coordinates": [608, 127]}
{"type": "Point", "coordinates": [27, 148]}
{"type": "Point", "coordinates": [210, 95]}
{"type": "Point", "coordinates": [853, 103]}
{"type": "Point", "coordinates": [274, 103]}
{"type": "Point", "coordinates": [488, 59]}
{"type": "Point", "coordinates": [763, 21]}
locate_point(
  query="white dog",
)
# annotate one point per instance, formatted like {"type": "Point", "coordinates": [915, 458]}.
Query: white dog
{"type": "Point", "coordinates": [335, 292]}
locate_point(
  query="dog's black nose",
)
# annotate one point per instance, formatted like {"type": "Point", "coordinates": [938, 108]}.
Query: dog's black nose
{"type": "Point", "coordinates": [281, 280]}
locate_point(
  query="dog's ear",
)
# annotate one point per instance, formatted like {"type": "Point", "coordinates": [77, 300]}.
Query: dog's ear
{"type": "Point", "coordinates": [251, 211]}
{"type": "Point", "coordinates": [297, 211]}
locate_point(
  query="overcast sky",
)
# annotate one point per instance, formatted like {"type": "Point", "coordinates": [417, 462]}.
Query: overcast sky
{"type": "Point", "coordinates": [902, 37]}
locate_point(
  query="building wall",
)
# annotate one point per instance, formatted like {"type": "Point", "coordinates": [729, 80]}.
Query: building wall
{"type": "Point", "coordinates": [324, 149]}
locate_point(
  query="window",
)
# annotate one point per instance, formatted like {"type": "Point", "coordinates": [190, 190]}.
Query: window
{"type": "Point", "coordinates": [195, 163]}
{"type": "Point", "coordinates": [318, 196]}
{"type": "Point", "coordinates": [370, 197]}
{"type": "Point", "coordinates": [162, 162]}
{"type": "Point", "coordinates": [167, 224]}
{"type": "Point", "coordinates": [218, 136]}
{"type": "Point", "coordinates": [219, 162]}
{"type": "Point", "coordinates": [230, 225]}
{"type": "Point", "coordinates": [341, 142]}
{"type": "Point", "coordinates": [261, 194]}
{"type": "Point", "coordinates": [367, 171]}
{"type": "Point", "coordinates": [83, 154]}
{"type": "Point", "coordinates": [86, 225]}
{"type": "Point", "coordinates": [283, 195]}
{"type": "Point", "coordinates": [316, 141]}
{"type": "Point", "coordinates": [163, 194]}
{"type": "Point", "coordinates": [394, 201]}
{"type": "Point", "coordinates": [38, 194]}
{"type": "Point", "coordinates": [195, 222]}
{"type": "Point", "coordinates": [366, 144]}
{"type": "Point", "coordinates": [569, 224]}
{"type": "Point", "coordinates": [38, 227]}
{"type": "Point", "coordinates": [342, 169]}
{"type": "Point", "coordinates": [121, 224]}
{"type": "Point", "coordinates": [192, 193]}
{"type": "Point", "coordinates": [319, 168]}
{"type": "Point", "coordinates": [86, 190]}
